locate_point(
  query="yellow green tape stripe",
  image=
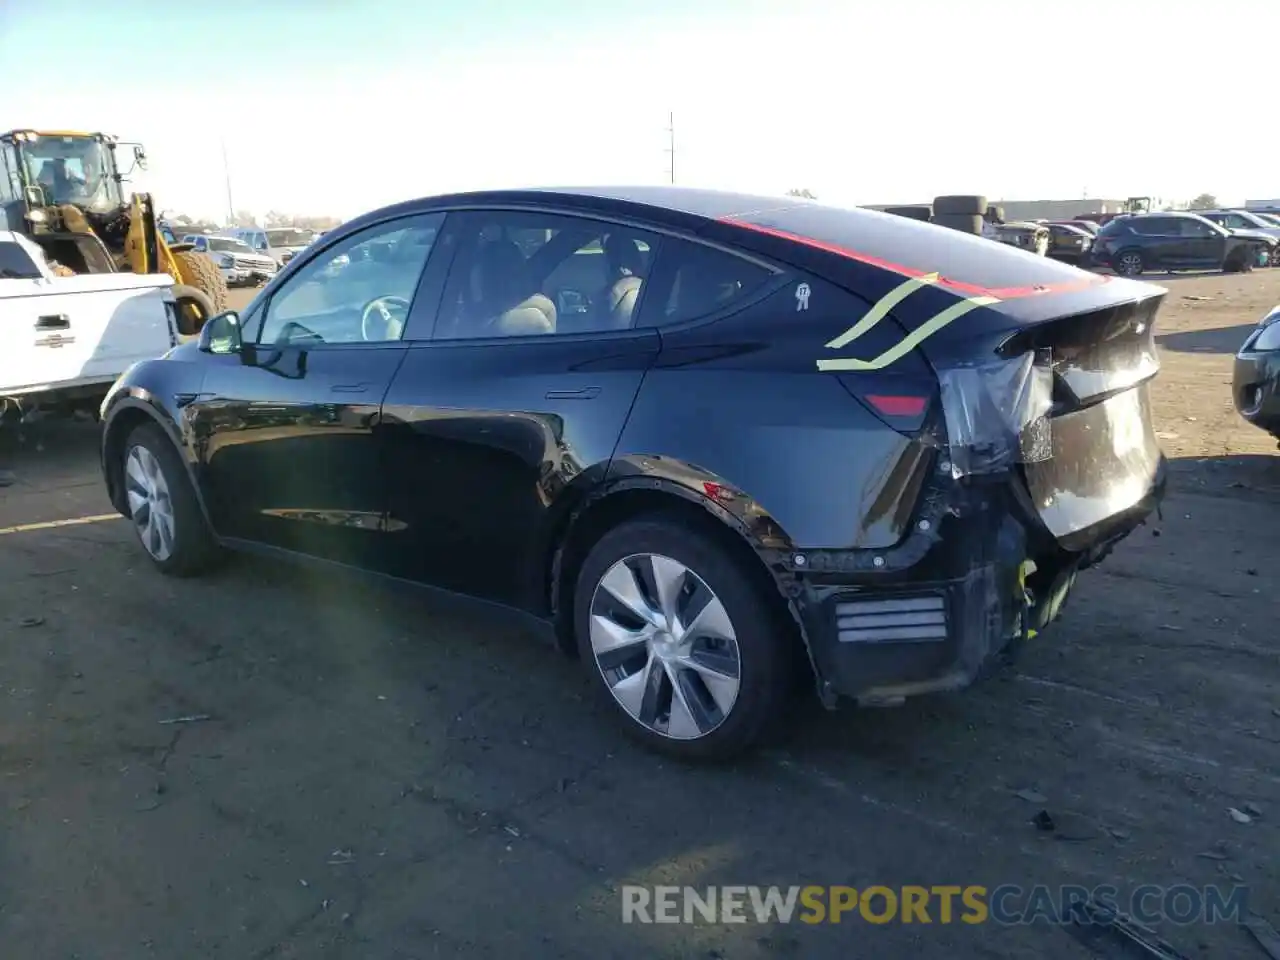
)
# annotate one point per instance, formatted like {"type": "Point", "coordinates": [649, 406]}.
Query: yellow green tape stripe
{"type": "Point", "coordinates": [880, 310]}
{"type": "Point", "coordinates": [908, 343]}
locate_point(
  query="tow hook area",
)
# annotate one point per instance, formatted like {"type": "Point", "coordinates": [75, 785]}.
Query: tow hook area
{"type": "Point", "coordinates": [1042, 599]}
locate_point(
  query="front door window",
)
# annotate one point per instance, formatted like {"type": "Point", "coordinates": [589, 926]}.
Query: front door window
{"type": "Point", "coordinates": [358, 291]}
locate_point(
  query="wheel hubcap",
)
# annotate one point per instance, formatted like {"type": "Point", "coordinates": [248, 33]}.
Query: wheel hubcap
{"type": "Point", "coordinates": [149, 502]}
{"type": "Point", "coordinates": [665, 646]}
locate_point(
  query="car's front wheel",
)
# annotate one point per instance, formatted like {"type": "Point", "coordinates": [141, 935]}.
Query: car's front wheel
{"type": "Point", "coordinates": [679, 639]}
{"type": "Point", "coordinates": [162, 504]}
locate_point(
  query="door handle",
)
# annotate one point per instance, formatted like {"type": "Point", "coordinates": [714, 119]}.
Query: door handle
{"type": "Point", "coordinates": [53, 321]}
{"type": "Point", "coordinates": [586, 393]}
{"type": "Point", "coordinates": [350, 388]}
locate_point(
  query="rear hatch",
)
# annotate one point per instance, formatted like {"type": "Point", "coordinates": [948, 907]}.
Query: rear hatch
{"type": "Point", "coordinates": [1043, 368]}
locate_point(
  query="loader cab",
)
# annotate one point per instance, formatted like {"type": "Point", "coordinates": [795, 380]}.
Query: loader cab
{"type": "Point", "coordinates": [61, 167]}
{"type": "Point", "coordinates": [65, 190]}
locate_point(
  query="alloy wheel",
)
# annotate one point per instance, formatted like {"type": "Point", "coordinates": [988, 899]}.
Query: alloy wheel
{"type": "Point", "coordinates": [150, 505]}
{"type": "Point", "coordinates": [665, 645]}
{"type": "Point", "coordinates": [1130, 264]}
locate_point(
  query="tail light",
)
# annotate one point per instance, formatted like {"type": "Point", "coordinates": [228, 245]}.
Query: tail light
{"type": "Point", "coordinates": [901, 402]}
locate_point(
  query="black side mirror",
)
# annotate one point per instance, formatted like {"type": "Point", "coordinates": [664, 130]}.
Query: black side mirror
{"type": "Point", "coordinates": [222, 334]}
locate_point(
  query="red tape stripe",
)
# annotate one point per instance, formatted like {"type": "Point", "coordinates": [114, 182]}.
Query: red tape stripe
{"type": "Point", "coordinates": [958, 286]}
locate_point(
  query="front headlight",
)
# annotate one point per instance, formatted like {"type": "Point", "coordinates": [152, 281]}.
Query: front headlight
{"type": "Point", "coordinates": [227, 261]}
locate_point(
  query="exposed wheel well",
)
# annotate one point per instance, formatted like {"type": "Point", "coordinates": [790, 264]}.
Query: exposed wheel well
{"type": "Point", "coordinates": [122, 424]}
{"type": "Point", "coordinates": [618, 508]}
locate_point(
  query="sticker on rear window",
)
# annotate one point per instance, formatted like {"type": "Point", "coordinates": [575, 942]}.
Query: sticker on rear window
{"type": "Point", "coordinates": [802, 297]}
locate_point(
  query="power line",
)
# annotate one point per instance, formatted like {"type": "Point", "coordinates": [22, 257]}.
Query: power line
{"type": "Point", "coordinates": [226, 169]}
{"type": "Point", "coordinates": [671, 145]}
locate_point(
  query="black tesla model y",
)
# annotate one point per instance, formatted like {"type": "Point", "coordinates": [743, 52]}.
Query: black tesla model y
{"type": "Point", "coordinates": [708, 440]}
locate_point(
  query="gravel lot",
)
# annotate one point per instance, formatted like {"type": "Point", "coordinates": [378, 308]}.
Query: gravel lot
{"type": "Point", "coordinates": [379, 777]}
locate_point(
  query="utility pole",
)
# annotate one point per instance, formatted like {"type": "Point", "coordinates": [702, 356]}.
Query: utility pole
{"type": "Point", "coordinates": [226, 170]}
{"type": "Point", "coordinates": [671, 144]}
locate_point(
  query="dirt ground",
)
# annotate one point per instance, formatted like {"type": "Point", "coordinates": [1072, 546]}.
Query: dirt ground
{"type": "Point", "coordinates": [378, 777]}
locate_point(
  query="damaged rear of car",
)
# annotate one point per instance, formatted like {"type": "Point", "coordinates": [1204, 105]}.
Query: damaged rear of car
{"type": "Point", "coordinates": [1016, 390]}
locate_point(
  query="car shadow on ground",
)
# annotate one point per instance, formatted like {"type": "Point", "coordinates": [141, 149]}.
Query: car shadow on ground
{"type": "Point", "coordinates": [42, 453]}
{"type": "Point", "coordinates": [1226, 340]}
{"type": "Point", "coordinates": [1236, 475]}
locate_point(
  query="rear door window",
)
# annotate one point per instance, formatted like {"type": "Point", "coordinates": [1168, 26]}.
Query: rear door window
{"type": "Point", "coordinates": [522, 273]}
{"type": "Point", "coordinates": [1156, 226]}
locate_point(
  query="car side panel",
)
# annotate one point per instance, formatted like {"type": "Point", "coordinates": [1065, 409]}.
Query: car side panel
{"type": "Point", "coordinates": [740, 403]}
{"type": "Point", "coordinates": [156, 390]}
{"type": "Point", "coordinates": [481, 442]}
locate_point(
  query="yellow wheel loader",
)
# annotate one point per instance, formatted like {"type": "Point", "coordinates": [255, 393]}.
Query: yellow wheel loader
{"type": "Point", "coordinates": [65, 191]}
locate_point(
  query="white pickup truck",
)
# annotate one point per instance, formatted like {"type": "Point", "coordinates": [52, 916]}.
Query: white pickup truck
{"type": "Point", "coordinates": [65, 339]}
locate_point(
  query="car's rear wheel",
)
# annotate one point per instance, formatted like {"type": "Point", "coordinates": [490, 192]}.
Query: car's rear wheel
{"type": "Point", "coordinates": [679, 641]}
{"type": "Point", "coordinates": [1130, 263]}
{"type": "Point", "coordinates": [162, 504]}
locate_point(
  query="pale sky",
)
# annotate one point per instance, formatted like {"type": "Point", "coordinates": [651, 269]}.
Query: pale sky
{"type": "Point", "coordinates": [330, 107]}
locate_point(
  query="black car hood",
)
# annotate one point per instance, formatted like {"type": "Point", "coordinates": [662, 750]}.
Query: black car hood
{"type": "Point", "coordinates": [1250, 234]}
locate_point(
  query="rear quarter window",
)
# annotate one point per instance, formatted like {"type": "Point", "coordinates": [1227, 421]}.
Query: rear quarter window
{"type": "Point", "coordinates": [15, 264]}
{"type": "Point", "coordinates": [921, 247]}
{"type": "Point", "coordinates": [696, 280]}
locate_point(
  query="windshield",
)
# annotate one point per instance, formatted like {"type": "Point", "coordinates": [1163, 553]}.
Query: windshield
{"type": "Point", "coordinates": [1251, 220]}
{"type": "Point", "coordinates": [227, 245]}
{"type": "Point", "coordinates": [1270, 219]}
{"type": "Point", "coordinates": [76, 170]}
{"type": "Point", "coordinates": [290, 237]}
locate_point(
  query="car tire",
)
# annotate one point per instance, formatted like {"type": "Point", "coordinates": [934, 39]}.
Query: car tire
{"type": "Point", "coordinates": [194, 309]}
{"type": "Point", "coordinates": [718, 716]}
{"type": "Point", "coordinates": [1129, 263]}
{"type": "Point", "coordinates": [162, 505]}
{"type": "Point", "coordinates": [911, 213]}
{"type": "Point", "coordinates": [963, 205]}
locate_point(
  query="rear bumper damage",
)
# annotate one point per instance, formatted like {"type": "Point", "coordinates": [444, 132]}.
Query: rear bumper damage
{"type": "Point", "coordinates": [1031, 485]}
{"type": "Point", "coordinates": [976, 578]}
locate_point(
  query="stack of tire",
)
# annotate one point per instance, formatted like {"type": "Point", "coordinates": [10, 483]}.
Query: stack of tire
{"type": "Point", "coordinates": [922, 213]}
{"type": "Point", "coordinates": [961, 212]}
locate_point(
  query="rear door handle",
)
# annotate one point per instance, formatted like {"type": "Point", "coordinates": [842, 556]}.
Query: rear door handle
{"type": "Point", "coordinates": [351, 388]}
{"type": "Point", "coordinates": [586, 393]}
{"type": "Point", "coordinates": [53, 321]}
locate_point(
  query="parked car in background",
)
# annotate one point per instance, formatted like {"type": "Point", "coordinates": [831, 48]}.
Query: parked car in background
{"type": "Point", "coordinates": [174, 233]}
{"type": "Point", "coordinates": [1256, 383]}
{"type": "Point", "coordinates": [1024, 234]}
{"type": "Point", "coordinates": [279, 243]}
{"type": "Point", "coordinates": [239, 263]}
{"type": "Point", "coordinates": [1272, 218]}
{"type": "Point", "coordinates": [1243, 221]}
{"type": "Point", "coordinates": [1132, 245]}
{"type": "Point", "coordinates": [484, 405]}
{"type": "Point", "coordinates": [1089, 226]}
{"type": "Point", "coordinates": [1069, 243]}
